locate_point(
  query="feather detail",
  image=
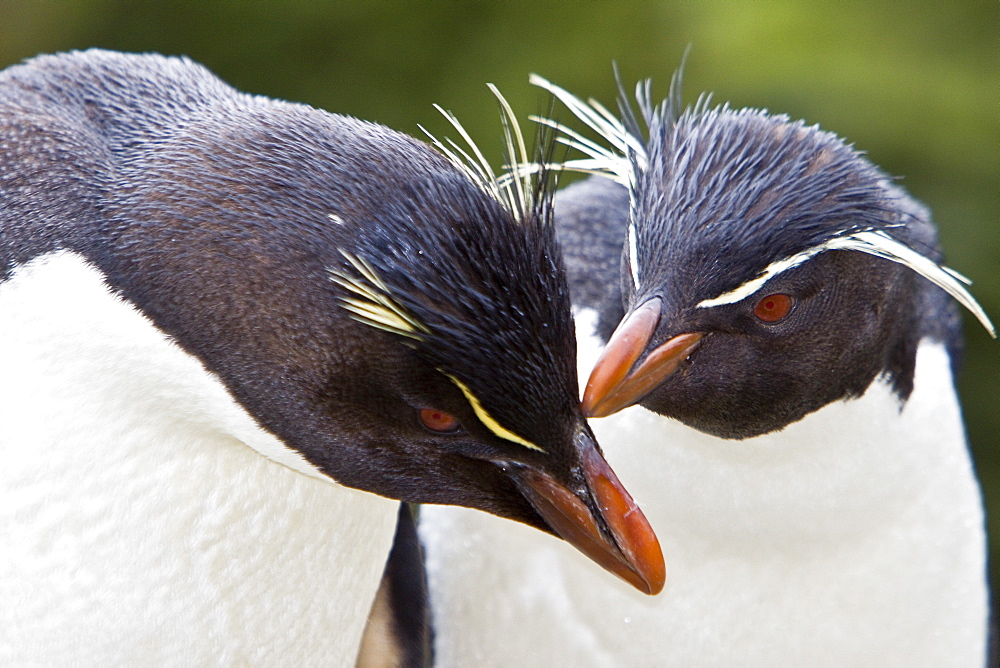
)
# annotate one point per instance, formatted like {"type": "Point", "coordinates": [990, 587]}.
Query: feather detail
{"type": "Point", "coordinates": [612, 162]}
{"type": "Point", "coordinates": [373, 304]}
{"type": "Point", "coordinates": [516, 189]}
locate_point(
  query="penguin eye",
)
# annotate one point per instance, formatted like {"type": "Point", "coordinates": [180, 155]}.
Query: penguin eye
{"type": "Point", "coordinates": [773, 308]}
{"type": "Point", "coordinates": [439, 421]}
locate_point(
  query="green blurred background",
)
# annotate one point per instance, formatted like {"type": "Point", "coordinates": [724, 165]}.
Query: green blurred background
{"type": "Point", "coordinates": [915, 85]}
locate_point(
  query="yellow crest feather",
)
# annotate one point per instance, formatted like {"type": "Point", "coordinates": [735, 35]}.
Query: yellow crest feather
{"type": "Point", "coordinates": [373, 305]}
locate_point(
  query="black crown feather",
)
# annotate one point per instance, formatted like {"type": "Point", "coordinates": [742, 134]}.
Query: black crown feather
{"type": "Point", "coordinates": [471, 277]}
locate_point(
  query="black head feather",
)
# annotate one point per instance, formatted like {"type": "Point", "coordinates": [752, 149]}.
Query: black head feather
{"type": "Point", "coordinates": [732, 191]}
{"type": "Point", "coordinates": [488, 290]}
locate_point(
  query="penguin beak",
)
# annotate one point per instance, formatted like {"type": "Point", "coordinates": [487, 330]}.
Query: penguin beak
{"type": "Point", "coordinates": [616, 381]}
{"type": "Point", "coordinates": [606, 525]}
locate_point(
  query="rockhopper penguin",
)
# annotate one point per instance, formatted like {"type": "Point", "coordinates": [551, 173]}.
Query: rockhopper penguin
{"type": "Point", "coordinates": [232, 330]}
{"type": "Point", "coordinates": [757, 279]}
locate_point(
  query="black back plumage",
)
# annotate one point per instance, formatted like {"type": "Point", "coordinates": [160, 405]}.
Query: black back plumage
{"type": "Point", "coordinates": [398, 633]}
{"type": "Point", "coordinates": [225, 217]}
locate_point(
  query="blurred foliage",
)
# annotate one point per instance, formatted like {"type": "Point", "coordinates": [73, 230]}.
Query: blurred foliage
{"type": "Point", "coordinates": [914, 84]}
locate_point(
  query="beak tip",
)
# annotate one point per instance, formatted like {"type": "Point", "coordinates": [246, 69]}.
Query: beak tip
{"type": "Point", "coordinates": [648, 575]}
{"type": "Point", "coordinates": [600, 406]}
{"type": "Point", "coordinates": [656, 579]}
{"type": "Point", "coordinates": [640, 559]}
{"type": "Point", "coordinates": [654, 588]}
{"type": "Point", "coordinates": [630, 550]}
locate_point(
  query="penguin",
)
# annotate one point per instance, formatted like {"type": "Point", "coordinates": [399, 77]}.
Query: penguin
{"type": "Point", "coordinates": [772, 339]}
{"type": "Point", "coordinates": [235, 332]}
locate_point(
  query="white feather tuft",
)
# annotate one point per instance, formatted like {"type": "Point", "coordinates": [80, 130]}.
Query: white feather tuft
{"type": "Point", "coordinates": [613, 162]}
{"type": "Point", "coordinates": [513, 190]}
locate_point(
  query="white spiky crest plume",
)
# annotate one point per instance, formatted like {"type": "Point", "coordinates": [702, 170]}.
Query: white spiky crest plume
{"type": "Point", "coordinates": [515, 189]}
{"type": "Point", "coordinates": [627, 154]}
{"type": "Point", "coordinates": [875, 243]}
{"type": "Point", "coordinates": [612, 162]}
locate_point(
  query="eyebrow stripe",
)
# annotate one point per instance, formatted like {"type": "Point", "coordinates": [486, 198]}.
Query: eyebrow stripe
{"type": "Point", "coordinates": [880, 245]}
{"type": "Point", "coordinates": [488, 419]}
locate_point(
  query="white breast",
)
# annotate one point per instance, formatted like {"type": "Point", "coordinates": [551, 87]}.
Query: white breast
{"type": "Point", "coordinates": [854, 537]}
{"type": "Point", "coordinates": [140, 523]}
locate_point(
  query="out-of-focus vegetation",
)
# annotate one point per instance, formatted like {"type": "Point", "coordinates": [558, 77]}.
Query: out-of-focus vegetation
{"type": "Point", "coordinates": [916, 85]}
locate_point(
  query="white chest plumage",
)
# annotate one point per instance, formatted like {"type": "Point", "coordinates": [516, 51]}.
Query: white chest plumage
{"type": "Point", "coordinates": [140, 523]}
{"type": "Point", "coordinates": [854, 537]}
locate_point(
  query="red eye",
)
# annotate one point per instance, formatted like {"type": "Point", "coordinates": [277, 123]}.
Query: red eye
{"type": "Point", "coordinates": [773, 308]}
{"type": "Point", "coordinates": [438, 421]}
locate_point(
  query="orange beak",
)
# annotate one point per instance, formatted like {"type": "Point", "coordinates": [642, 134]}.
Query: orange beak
{"type": "Point", "coordinates": [616, 382]}
{"type": "Point", "coordinates": [610, 529]}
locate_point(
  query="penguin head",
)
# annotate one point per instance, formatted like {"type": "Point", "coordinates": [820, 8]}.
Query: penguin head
{"type": "Point", "coordinates": [459, 290]}
{"type": "Point", "coordinates": [768, 269]}
{"type": "Point", "coordinates": [397, 317]}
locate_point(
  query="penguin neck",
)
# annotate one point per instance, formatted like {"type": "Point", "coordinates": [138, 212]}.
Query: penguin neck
{"type": "Point", "coordinates": [147, 509]}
